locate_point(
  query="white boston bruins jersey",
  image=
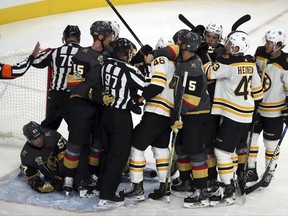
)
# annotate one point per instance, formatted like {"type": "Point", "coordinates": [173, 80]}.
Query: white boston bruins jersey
{"type": "Point", "coordinates": [162, 71]}
{"type": "Point", "coordinates": [275, 82]}
{"type": "Point", "coordinates": [238, 85]}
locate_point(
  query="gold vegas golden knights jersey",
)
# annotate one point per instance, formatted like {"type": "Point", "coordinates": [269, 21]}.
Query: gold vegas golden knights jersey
{"type": "Point", "coordinates": [238, 85]}
{"type": "Point", "coordinates": [162, 71]}
{"type": "Point", "coordinates": [275, 82]}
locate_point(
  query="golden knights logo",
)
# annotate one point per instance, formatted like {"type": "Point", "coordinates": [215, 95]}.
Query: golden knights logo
{"type": "Point", "coordinates": [52, 164]}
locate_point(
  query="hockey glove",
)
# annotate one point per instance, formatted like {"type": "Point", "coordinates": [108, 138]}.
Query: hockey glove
{"type": "Point", "coordinates": [100, 97]}
{"type": "Point", "coordinates": [134, 105]}
{"type": "Point", "coordinates": [285, 115]}
{"type": "Point", "coordinates": [175, 122]}
{"type": "Point", "coordinates": [46, 188]}
{"type": "Point", "coordinates": [255, 117]}
{"type": "Point", "coordinates": [176, 126]}
{"type": "Point", "coordinates": [139, 57]}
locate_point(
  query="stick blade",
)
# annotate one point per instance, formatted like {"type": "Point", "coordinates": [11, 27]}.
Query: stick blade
{"type": "Point", "coordinates": [240, 21]}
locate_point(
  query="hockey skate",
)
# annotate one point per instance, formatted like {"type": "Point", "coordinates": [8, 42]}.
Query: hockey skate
{"type": "Point", "coordinates": [68, 185]}
{"type": "Point", "coordinates": [89, 190]}
{"type": "Point", "coordinates": [116, 200]}
{"type": "Point", "coordinates": [135, 191]}
{"type": "Point", "coordinates": [198, 199]}
{"type": "Point", "coordinates": [268, 179]}
{"type": "Point", "coordinates": [182, 188]}
{"type": "Point", "coordinates": [212, 186]}
{"type": "Point", "coordinates": [161, 193]}
{"type": "Point", "coordinates": [224, 195]}
{"type": "Point", "coordinates": [251, 175]}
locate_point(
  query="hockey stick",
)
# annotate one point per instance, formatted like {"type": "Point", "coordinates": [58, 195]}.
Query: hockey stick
{"type": "Point", "coordinates": [187, 22]}
{"type": "Point", "coordinates": [168, 177]}
{"type": "Point", "coordinates": [242, 179]}
{"type": "Point", "coordinates": [124, 22]}
{"type": "Point", "coordinates": [263, 70]}
{"type": "Point", "coordinates": [261, 181]}
{"type": "Point", "coordinates": [240, 21]}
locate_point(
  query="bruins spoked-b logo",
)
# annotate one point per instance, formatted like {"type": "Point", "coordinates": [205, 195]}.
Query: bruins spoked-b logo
{"type": "Point", "coordinates": [266, 82]}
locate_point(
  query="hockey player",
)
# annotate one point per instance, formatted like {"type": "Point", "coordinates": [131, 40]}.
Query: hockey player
{"type": "Point", "coordinates": [85, 104]}
{"type": "Point", "coordinates": [118, 78]}
{"type": "Point", "coordinates": [59, 61]}
{"type": "Point", "coordinates": [193, 115]}
{"type": "Point", "coordinates": [8, 71]}
{"type": "Point", "coordinates": [154, 126]}
{"type": "Point", "coordinates": [273, 67]}
{"type": "Point", "coordinates": [238, 85]}
{"type": "Point", "coordinates": [41, 155]}
{"type": "Point", "coordinates": [209, 50]}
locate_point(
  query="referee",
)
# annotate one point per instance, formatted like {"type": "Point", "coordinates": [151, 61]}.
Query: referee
{"type": "Point", "coordinates": [59, 62]}
{"type": "Point", "coordinates": [119, 78]}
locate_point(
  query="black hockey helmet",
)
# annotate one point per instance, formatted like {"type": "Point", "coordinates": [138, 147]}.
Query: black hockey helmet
{"type": "Point", "coordinates": [122, 47]}
{"type": "Point", "coordinates": [101, 28]}
{"type": "Point", "coordinates": [192, 41]}
{"type": "Point", "coordinates": [71, 30]}
{"type": "Point", "coordinates": [178, 34]}
{"type": "Point", "coordinates": [32, 130]}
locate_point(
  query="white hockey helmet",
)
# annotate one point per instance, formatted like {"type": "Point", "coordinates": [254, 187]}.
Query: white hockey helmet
{"type": "Point", "coordinates": [116, 29]}
{"type": "Point", "coordinates": [240, 39]}
{"type": "Point", "coordinates": [163, 42]}
{"type": "Point", "coordinates": [215, 28]}
{"type": "Point", "coordinates": [275, 36]}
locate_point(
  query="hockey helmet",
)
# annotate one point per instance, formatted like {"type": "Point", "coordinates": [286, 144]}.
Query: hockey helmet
{"type": "Point", "coordinates": [192, 41]}
{"type": "Point", "coordinates": [276, 36]}
{"type": "Point", "coordinates": [101, 28]}
{"type": "Point", "coordinates": [32, 130]}
{"type": "Point", "coordinates": [178, 34]}
{"type": "Point", "coordinates": [163, 42]}
{"type": "Point", "coordinates": [214, 28]}
{"type": "Point", "coordinates": [71, 30]}
{"type": "Point", "coordinates": [240, 39]}
{"type": "Point", "coordinates": [116, 29]}
{"type": "Point", "coordinates": [123, 47]}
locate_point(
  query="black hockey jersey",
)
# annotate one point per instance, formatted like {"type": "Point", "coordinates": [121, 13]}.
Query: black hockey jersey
{"type": "Point", "coordinates": [45, 160]}
{"type": "Point", "coordinates": [86, 72]}
{"type": "Point", "coordinates": [196, 98]}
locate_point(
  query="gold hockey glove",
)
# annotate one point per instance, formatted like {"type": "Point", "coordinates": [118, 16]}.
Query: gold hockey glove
{"type": "Point", "coordinates": [46, 188]}
{"type": "Point", "coordinates": [176, 126]}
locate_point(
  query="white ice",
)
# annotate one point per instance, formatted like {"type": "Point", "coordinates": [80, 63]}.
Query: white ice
{"type": "Point", "coordinates": [150, 21]}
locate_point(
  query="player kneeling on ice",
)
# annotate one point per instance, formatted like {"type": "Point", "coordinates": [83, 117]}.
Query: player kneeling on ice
{"type": "Point", "coordinates": [41, 157]}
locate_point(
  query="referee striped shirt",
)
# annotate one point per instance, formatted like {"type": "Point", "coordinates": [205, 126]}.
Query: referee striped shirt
{"type": "Point", "coordinates": [60, 61]}
{"type": "Point", "coordinates": [121, 80]}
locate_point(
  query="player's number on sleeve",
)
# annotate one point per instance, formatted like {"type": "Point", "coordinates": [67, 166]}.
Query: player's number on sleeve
{"type": "Point", "coordinates": [242, 87]}
{"type": "Point", "coordinates": [78, 69]}
{"type": "Point", "coordinates": [159, 61]}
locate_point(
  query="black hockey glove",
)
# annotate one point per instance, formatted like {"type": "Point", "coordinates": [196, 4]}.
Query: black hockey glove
{"type": "Point", "coordinates": [285, 115]}
{"type": "Point", "coordinates": [100, 97]}
{"type": "Point", "coordinates": [139, 57]}
{"type": "Point", "coordinates": [134, 105]}
{"type": "Point", "coordinates": [255, 117]}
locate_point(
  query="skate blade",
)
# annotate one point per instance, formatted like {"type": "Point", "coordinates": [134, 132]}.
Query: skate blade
{"type": "Point", "coordinates": [179, 194]}
{"type": "Point", "coordinates": [88, 194]}
{"type": "Point", "coordinates": [165, 199]}
{"type": "Point", "coordinates": [67, 193]}
{"type": "Point", "coordinates": [138, 198]}
{"type": "Point", "coordinates": [226, 202]}
{"type": "Point", "coordinates": [202, 204]}
{"type": "Point", "coordinates": [110, 203]}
